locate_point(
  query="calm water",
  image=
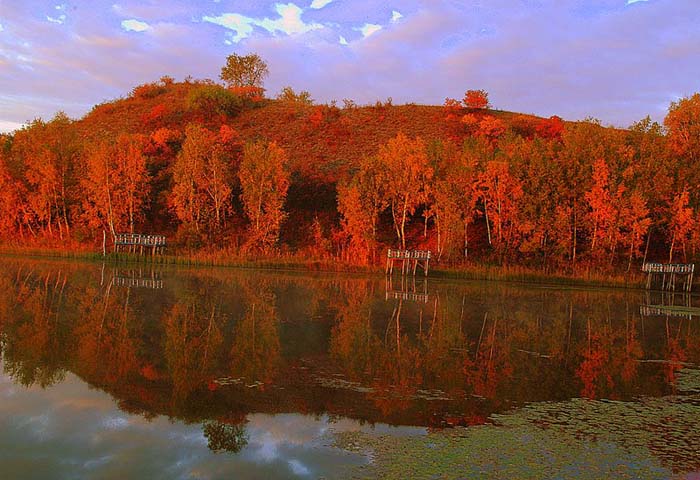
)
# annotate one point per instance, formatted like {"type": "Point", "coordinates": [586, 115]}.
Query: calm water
{"type": "Point", "coordinates": [110, 371]}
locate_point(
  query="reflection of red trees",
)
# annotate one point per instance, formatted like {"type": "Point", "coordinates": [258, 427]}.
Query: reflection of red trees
{"type": "Point", "coordinates": [403, 352]}
{"type": "Point", "coordinates": [492, 366]}
{"type": "Point", "coordinates": [675, 357]}
{"type": "Point", "coordinates": [592, 370]}
{"type": "Point", "coordinates": [256, 352]}
{"type": "Point", "coordinates": [399, 372]}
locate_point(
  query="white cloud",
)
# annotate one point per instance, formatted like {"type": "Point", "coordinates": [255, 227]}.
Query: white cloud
{"type": "Point", "coordinates": [320, 3]}
{"type": "Point", "coordinates": [233, 21]}
{"type": "Point", "coordinates": [134, 25]}
{"type": "Point", "coordinates": [59, 20]}
{"type": "Point", "coordinates": [368, 29]}
{"type": "Point", "coordinates": [7, 126]}
{"type": "Point", "coordinates": [630, 2]}
{"type": "Point", "coordinates": [396, 16]}
{"type": "Point", "coordinates": [343, 41]}
{"type": "Point", "coordinates": [289, 22]}
{"type": "Point", "coordinates": [1, 27]}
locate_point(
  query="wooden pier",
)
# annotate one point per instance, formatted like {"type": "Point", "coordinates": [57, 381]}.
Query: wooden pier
{"type": "Point", "coordinates": [139, 244]}
{"type": "Point", "coordinates": [154, 282]}
{"type": "Point", "coordinates": [410, 261]}
{"type": "Point", "coordinates": [407, 290]}
{"type": "Point", "coordinates": [670, 274]}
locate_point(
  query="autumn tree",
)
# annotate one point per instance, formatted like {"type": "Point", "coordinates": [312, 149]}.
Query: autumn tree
{"type": "Point", "coordinates": [203, 176]}
{"type": "Point", "coordinates": [360, 203]}
{"type": "Point", "coordinates": [680, 223]}
{"type": "Point", "coordinates": [683, 124]}
{"type": "Point", "coordinates": [500, 193]}
{"type": "Point", "coordinates": [635, 222]}
{"type": "Point", "coordinates": [454, 197]}
{"type": "Point", "coordinates": [581, 144]}
{"type": "Point", "coordinates": [117, 183]}
{"type": "Point", "coordinates": [407, 173]}
{"type": "Point", "coordinates": [48, 154]}
{"type": "Point", "coordinates": [244, 71]}
{"type": "Point", "coordinates": [531, 162]}
{"type": "Point", "coordinates": [10, 200]}
{"type": "Point", "coordinates": [550, 128]}
{"type": "Point", "coordinates": [290, 96]}
{"type": "Point", "coordinates": [602, 211]}
{"type": "Point", "coordinates": [476, 99]}
{"type": "Point", "coordinates": [264, 184]}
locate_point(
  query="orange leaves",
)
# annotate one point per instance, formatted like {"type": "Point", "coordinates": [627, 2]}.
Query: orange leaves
{"type": "Point", "coordinates": [550, 128]}
{"type": "Point", "coordinates": [602, 212]}
{"type": "Point", "coordinates": [203, 176]}
{"type": "Point", "coordinates": [155, 115]}
{"type": "Point", "coordinates": [500, 193]}
{"type": "Point", "coordinates": [452, 109]}
{"type": "Point", "coordinates": [250, 92]}
{"type": "Point", "coordinates": [491, 128]}
{"type": "Point", "coordinates": [683, 124]}
{"type": "Point", "coordinates": [148, 90]}
{"type": "Point", "coordinates": [476, 99]}
{"type": "Point", "coordinates": [681, 223]}
{"type": "Point", "coordinates": [408, 174]}
{"type": "Point", "coordinates": [10, 201]}
{"type": "Point", "coordinates": [117, 183]}
{"type": "Point", "coordinates": [360, 203]}
{"type": "Point", "coordinates": [487, 126]}
{"type": "Point", "coordinates": [264, 184]}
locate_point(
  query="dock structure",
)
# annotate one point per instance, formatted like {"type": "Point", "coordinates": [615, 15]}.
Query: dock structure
{"type": "Point", "coordinates": [407, 290]}
{"type": "Point", "coordinates": [410, 261]}
{"type": "Point", "coordinates": [137, 279]}
{"type": "Point", "coordinates": [670, 274]}
{"type": "Point", "coordinates": [140, 244]}
{"type": "Point", "coordinates": [669, 311]}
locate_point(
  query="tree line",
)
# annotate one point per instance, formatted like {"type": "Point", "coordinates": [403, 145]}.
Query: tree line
{"type": "Point", "coordinates": [495, 188]}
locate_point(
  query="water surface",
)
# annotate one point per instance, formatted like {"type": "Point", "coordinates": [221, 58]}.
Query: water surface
{"type": "Point", "coordinates": [174, 373]}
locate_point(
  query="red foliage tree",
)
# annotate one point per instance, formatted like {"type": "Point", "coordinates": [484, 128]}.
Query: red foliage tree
{"type": "Point", "coordinates": [476, 99]}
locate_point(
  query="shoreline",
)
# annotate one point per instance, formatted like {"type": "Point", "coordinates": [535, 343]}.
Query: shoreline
{"type": "Point", "coordinates": [297, 263]}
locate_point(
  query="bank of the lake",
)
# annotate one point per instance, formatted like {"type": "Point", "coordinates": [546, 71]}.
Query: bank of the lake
{"type": "Point", "coordinates": [581, 277]}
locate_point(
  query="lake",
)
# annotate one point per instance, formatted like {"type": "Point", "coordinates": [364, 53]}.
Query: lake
{"type": "Point", "coordinates": [129, 371]}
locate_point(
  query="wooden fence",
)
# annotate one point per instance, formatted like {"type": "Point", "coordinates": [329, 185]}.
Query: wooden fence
{"type": "Point", "coordinates": [139, 243]}
{"type": "Point", "coordinates": [410, 261]}
{"type": "Point", "coordinates": [669, 274]}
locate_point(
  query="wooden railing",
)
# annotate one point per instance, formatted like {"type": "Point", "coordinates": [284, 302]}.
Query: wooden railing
{"type": "Point", "coordinates": [139, 239]}
{"type": "Point", "coordinates": [681, 268]}
{"type": "Point", "coordinates": [139, 243]}
{"type": "Point", "coordinates": [410, 260]}
{"type": "Point", "coordinates": [670, 273]}
{"type": "Point", "coordinates": [409, 254]}
{"type": "Point", "coordinates": [152, 283]}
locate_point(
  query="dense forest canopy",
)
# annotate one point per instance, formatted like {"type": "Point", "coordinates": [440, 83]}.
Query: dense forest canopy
{"type": "Point", "coordinates": [224, 168]}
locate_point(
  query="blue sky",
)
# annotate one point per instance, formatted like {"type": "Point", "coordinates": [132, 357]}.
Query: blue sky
{"type": "Point", "coordinates": [616, 60]}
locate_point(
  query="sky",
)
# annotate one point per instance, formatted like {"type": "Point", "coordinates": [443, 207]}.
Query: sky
{"type": "Point", "coordinates": [614, 60]}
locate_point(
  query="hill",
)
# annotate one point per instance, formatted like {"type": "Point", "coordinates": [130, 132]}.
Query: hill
{"type": "Point", "coordinates": [467, 182]}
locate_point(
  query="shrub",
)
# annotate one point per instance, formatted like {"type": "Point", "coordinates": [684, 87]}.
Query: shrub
{"type": "Point", "coordinates": [148, 90]}
{"type": "Point", "coordinates": [214, 99]}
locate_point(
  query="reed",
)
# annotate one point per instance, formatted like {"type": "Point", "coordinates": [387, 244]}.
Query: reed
{"type": "Point", "coordinates": [297, 262]}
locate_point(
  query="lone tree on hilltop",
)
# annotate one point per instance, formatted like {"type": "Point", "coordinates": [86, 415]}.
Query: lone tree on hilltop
{"type": "Point", "coordinates": [476, 99]}
{"type": "Point", "coordinates": [244, 71]}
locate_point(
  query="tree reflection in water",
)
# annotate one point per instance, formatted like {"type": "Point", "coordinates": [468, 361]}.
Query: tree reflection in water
{"type": "Point", "coordinates": [213, 346]}
{"type": "Point", "coordinates": [225, 437]}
